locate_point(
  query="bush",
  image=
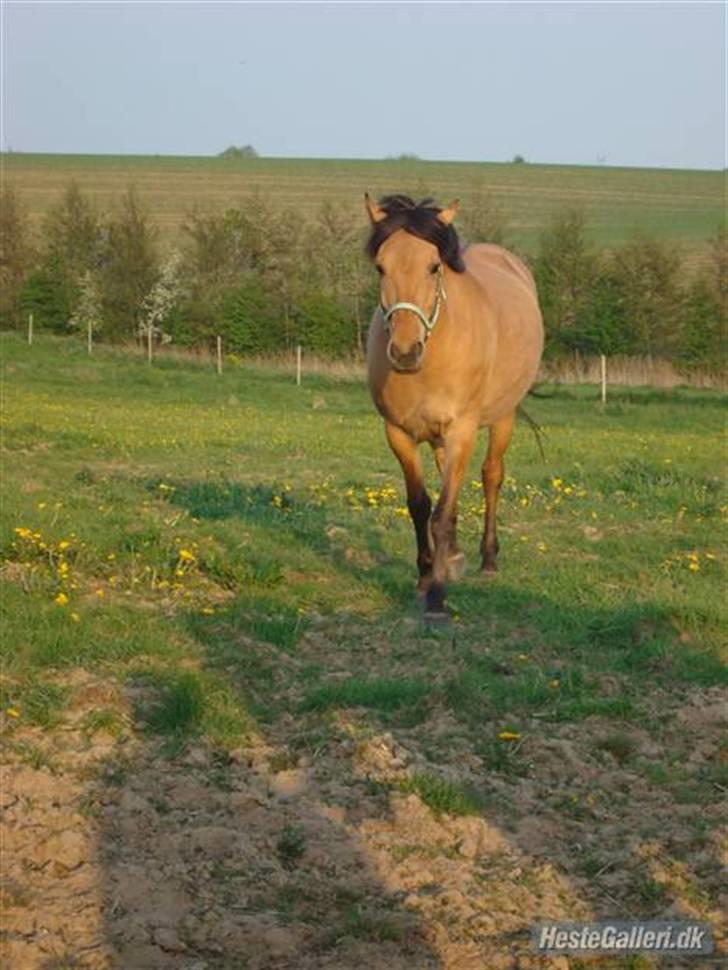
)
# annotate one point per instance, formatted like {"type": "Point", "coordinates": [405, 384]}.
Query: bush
{"type": "Point", "coordinates": [251, 320]}
{"type": "Point", "coordinates": [44, 295]}
{"type": "Point", "coordinates": [323, 326]}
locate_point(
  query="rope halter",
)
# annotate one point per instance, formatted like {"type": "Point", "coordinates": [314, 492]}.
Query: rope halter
{"type": "Point", "coordinates": [427, 322]}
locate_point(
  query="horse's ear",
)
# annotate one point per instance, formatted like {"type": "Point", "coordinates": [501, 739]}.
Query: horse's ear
{"type": "Point", "coordinates": [448, 213]}
{"type": "Point", "coordinates": [375, 213]}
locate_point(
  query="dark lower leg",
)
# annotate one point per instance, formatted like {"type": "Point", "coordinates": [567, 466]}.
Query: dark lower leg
{"type": "Point", "coordinates": [418, 501]}
{"type": "Point", "coordinates": [420, 506]}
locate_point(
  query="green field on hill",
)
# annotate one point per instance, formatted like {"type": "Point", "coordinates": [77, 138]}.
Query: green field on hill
{"type": "Point", "coordinates": [685, 206]}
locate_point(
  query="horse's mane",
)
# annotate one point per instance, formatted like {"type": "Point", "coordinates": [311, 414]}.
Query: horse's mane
{"type": "Point", "coordinates": [419, 219]}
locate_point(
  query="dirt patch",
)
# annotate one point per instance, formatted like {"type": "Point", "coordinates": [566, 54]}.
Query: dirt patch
{"type": "Point", "coordinates": [278, 856]}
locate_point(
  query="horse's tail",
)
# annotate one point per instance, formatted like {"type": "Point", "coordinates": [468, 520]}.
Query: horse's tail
{"type": "Point", "coordinates": [538, 431]}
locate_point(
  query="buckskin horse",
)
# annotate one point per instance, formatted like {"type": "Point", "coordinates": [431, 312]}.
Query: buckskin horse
{"type": "Point", "coordinates": [453, 346]}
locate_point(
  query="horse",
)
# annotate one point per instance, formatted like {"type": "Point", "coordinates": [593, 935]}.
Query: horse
{"type": "Point", "coordinates": [454, 345]}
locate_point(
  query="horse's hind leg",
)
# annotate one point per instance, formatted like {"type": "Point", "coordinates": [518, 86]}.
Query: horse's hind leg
{"type": "Point", "coordinates": [493, 470]}
{"type": "Point", "coordinates": [418, 501]}
{"type": "Point", "coordinates": [455, 558]}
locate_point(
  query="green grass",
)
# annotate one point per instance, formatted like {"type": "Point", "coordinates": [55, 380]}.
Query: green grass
{"type": "Point", "coordinates": [682, 205]}
{"type": "Point", "coordinates": [253, 552]}
{"type": "Point", "coordinates": [442, 796]}
{"type": "Point", "coordinates": [384, 695]}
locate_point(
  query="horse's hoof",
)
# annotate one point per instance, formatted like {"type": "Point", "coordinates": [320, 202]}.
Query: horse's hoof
{"type": "Point", "coordinates": [438, 620]}
{"type": "Point", "coordinates": [489, 571]}
{"type": "Point", "coordinates": [455, 567]}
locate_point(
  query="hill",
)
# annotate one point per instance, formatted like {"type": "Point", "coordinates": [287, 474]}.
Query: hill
{"type": "Point", "coordinates": [681, 205]}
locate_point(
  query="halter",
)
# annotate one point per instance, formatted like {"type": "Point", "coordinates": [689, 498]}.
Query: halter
{"type": "Point", "coordinates": [427, 322]}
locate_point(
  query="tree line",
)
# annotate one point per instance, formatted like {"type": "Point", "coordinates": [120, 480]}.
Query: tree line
{"type": "Point", "coordinates": [265, 278]}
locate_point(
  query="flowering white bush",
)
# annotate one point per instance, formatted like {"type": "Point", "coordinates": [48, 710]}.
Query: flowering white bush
{"type": "Point", "coordinates": [161, 299]}
{"type": "Point", "coordinates": [87, 315]}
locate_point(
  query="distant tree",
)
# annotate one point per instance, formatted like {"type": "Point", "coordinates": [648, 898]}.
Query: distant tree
{"type": "Point", "coordinates": [88, 313]}
{"type": "Point", "coordinates": [129, 269]}
{"type": "Point", "coordinates": [74, 241]}
{"type": "Point", "coordinates": [16, 257]}
{"type": "Point", "coordinates": [647, 272]}
{"type": "Point", "coordinates": [161, 300]}
{"type": "Point", "coordinates": [565, 269]}
{"type": "Point", "coordinates": [239, 151]}
{"type": "Point", "coordinates": [705, 319]}
{"type": "Point", "coordinates": [518, 160]}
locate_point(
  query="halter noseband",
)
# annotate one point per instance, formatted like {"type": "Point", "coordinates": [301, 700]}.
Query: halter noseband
{"type": "Point", "coordinates": [427, 322]}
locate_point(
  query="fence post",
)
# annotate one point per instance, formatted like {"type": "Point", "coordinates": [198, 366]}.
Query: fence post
{"type": "Point", "coordinates": [149, 343]}
{"type": "Point", "coordinates": [219, 355]}
{"type": "Point", "coordinates": [30, 329]}
{"type": "Point", "coordinates": [604, 378]}
{"type": "Point", "coordinates": [298, 365]}
{"type": "Point", "coordinates": [89, 337]}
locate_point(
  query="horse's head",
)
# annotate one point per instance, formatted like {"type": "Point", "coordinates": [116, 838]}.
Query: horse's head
{"type": "Point", "coordinates": [411, 245]}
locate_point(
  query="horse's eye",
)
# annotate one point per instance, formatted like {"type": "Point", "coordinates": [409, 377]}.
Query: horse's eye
{"type": "Point", "coordinates": [380, 270]}
{"type": "Point", "coordinates": [435, 268]}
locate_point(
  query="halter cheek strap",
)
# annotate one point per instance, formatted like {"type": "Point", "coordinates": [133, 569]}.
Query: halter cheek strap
{"type": "Point", "coordinates": [427, 322]}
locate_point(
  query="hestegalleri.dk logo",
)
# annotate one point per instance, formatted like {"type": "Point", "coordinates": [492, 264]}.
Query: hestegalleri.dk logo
{"type": "Point", "coordinates": [623, 937]}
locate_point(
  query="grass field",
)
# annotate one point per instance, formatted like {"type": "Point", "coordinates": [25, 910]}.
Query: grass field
{"type": "Point", "coordinates": [685, 206]}
{"type": "Point", "coordinates": [228, 740]}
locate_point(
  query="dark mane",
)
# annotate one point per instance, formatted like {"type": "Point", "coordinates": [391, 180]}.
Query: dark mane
{"type": "Point", "coordinates": [419, 219]}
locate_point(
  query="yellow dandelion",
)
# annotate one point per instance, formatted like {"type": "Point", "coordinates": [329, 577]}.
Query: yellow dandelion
{"type": "Point", "coordinates": [12, 712]}
{"type": "Point", "coordinates": [63, 545]}
{"type": "Point", "coordinates": [542, 547]}
{"type": "Point", "coordinates": [509, 736]}
{"type": "Point", "coordinates": [556, 483]}
{"type": "Point", "coordinates": [61, 600]}
{"type": "Point", "coordinates": [75, 617]}
{"type": "Point", "coordinates": [693, 567]}
{"type": "Point", "coordinates": [186, 556]}
{"type": "Point", "coordinates": [207, 610]}
{"type": "Point", "coordinates": [100, 593]}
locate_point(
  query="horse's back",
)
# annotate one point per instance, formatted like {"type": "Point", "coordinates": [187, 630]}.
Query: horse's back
{"type": "Point", "coordinates": [492, 264]}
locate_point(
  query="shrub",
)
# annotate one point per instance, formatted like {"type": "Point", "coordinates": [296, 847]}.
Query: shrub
{"type": "Point", "coordinates": [250, 319]}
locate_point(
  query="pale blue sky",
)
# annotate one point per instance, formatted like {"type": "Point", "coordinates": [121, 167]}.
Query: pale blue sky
{"type": "Point", "coordinates": [635, 83]}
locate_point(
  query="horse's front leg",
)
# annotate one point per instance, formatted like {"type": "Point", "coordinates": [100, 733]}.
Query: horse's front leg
{"type": "Point", "coordinates": [455, 558]}
{"type": "Point", "coordinates": [418, 501]}
{"type": "Point", "coordinates": [458, 449]}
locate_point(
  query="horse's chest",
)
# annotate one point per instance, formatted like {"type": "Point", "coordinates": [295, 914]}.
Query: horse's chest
{"type": "Point", "coordinates": [424, 416]}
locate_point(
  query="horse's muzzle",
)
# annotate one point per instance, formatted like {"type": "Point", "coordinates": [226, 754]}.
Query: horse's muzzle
{"type": "Point", "coordinates": [407, 362]}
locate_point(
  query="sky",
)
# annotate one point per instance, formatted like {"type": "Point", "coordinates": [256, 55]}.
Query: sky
{"type": "Point", "coordinates": [576, 83]}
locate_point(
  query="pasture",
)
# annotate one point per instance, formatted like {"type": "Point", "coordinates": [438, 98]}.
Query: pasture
{"type": "Point", "coordinates": [682, 206]}
{"type": "Point", "coordinates": [228, 741]}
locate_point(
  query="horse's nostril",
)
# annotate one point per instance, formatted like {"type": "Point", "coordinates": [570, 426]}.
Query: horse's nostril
{"type": "Point", "coordinates": [408, 359]}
